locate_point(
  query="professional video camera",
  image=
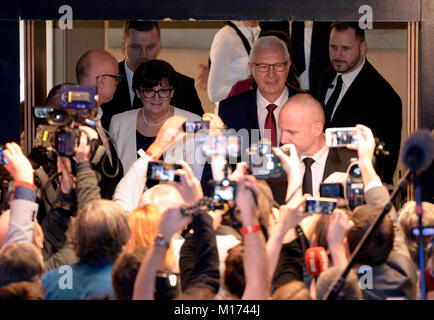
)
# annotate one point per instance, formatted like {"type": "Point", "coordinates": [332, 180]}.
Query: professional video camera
{"type": "Point", "coordinates": [61, 133]}
{"type": "Point", "coordinates": [264, 163]}
{"type": "Point", "coordinates": [351, 188]}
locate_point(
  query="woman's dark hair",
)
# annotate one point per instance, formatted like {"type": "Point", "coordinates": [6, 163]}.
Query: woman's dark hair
{"type": "Point", "coordinates": [151, 73]}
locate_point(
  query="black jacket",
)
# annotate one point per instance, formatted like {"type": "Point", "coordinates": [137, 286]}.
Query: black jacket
{"type": "Point", "coordinates": [370, 101]}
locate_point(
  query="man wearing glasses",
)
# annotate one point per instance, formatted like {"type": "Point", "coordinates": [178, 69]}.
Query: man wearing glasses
{"type": "Point", "coordinates": [100, 69]}
{"type": "Point", "coordinates": [269, 62]}
{"type": "Point", "coordinates": [141, 42]}
{"type": "Point", "coordinates": [258, 109]}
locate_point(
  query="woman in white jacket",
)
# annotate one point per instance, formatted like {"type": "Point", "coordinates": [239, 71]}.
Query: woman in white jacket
{"type": "Point", "coordinates": [137, 129]}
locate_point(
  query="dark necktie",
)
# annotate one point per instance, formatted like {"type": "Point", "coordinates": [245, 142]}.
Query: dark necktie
{"type": "Point", "coordinates": [270, 124]}
{"type": "Point", "coordinates": [297, 41]}
{"type": "Point", "coordinates": [137, 103]}
{"type": "Point", "coordinates": [330, 105]}
{"type": "Point", "coordinates": [307, 178]}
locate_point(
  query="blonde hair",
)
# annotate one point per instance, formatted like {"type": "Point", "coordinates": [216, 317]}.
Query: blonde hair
{"type": "Point", "coordinates": [143, 222]}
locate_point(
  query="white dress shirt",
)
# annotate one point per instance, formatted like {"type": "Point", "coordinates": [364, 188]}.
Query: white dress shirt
{"type": "Point", "coordinates": [229, 59]}
{"type": "Point", "coordinates": [262, 104]}
{"type": "Point", "coordinates": [317, 168]}
{"type": "Point", "coordinates": [347, 80]}
{"type": "Point", "coordinates": [129, 73]}
{"type": "Point", "coordinates": [304, 77]}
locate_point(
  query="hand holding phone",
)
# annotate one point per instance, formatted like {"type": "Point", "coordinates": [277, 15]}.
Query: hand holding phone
{"type": "Point", "coordinates": [160, 171]}
{"type": "Point", "coordinates": [320, 205]}
{"type": "Point", "coordinates": [341, 137]}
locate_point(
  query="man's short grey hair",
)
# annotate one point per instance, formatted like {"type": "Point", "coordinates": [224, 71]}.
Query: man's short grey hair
{"type": "Point", "coordinates": [268, 42]}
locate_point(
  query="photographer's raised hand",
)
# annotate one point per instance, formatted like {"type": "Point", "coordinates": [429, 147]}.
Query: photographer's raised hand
{"type": "Point", "coordinates": [365, 150]}
{"type": "Point", "coordinates": [337, 231]}
{"type": "Point", "coordinates": [66, 179]}
{"type": "Point", "coordinates": [189, 186]}
{"type": "Point", "coordinates": [246, 200]}
{"type": "Point", "coordinates": [171, 221]}
{"type": "Point", "coordinates": [82, 152]}
{"type": "Point", "coordinates": [291, 165]}
{"type": "Point", "coordinates": [170, 132]}
{"type": "Point", "coordinates": [18, 165]}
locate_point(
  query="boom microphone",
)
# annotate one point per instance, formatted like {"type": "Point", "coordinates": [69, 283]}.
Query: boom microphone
{"type": "Point", "coordinates": [316, 260]}
{"type": "Point", "coordinates": [418, 150]}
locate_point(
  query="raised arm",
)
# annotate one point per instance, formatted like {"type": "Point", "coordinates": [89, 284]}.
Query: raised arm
{"type": "Point", "coordinates": [255, 257]}
{"type": "Point", "coordinates": [131, 187]}
{"type": "Point", "coordinates": [171, 222]}
{"type": "Point", "coordinates": [23, 207]}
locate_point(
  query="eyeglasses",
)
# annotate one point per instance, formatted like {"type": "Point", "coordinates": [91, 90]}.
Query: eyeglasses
{"type": "Point", "coordinates": [264, 67]}
{"type": "Point", "coordinates": [117, 77]}
{"type": "Point", "coordinates": [150, 93]}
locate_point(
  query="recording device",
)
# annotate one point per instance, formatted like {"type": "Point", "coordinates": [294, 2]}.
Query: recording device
{"type": "Point", "coordinates": [3, 160]}
{"type": "Point", "coordinates": [354, 188]}
{"type": "Point", "coordinates": [228, 146]}
{"type": "Point", "coordinates": [264, 163]}
{"type": "Point", "coordinates": [316, 260]}
{"type": "Point", "coordinates": [225, 190]}
{"type": "Point", "coordinates": [331, 190]}
{"type": "Point", "coordinates": [340, 137]}
{"type": "Point", "coordinates": [167, 285]}
{"type": "Point", "coordinates": [418, 151]}
{"type": "Point", "coordinates": [195, 126]}
{"type": "Point", "coordinates": [160, 171]}
{"type": "Point", "coordinates": [320, 205]}
{"type": "Point", "coordinates": [61, 133]}
{"type": "Point", "coordinates": [427, 231]}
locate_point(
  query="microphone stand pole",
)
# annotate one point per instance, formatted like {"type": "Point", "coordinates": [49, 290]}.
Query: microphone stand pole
{"type": "Point", "coordinates": [419, 212]}
{"type": "Point", "coordinates": [337, 286]}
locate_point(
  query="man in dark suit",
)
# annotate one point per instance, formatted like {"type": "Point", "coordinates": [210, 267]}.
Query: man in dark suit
{"type": "Point", "coordinates": [141, 42]}
{"type": "Point", "coordinates": [354, 92]}
{"type": "Point", "coordinates": [100, 69]}
{"type": "Point", "coordinates": [310, 43]}
{"type": "Point", "coordinates": [302, 121]}
{"type": "Point", "coordinates": [258, 109]}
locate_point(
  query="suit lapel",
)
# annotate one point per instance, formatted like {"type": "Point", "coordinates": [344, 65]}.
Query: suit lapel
{"type": "Point", "coordinates": [332, 163]}
{"type": "Point", "coordinates": [122, 88]}
{"type": "Point", "coordinates": [354, 91]}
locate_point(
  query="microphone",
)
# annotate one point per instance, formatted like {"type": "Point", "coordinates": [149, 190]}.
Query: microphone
{"type": "Point", "coordinates": [330, 86]}
{"type": "Point", "coordinates": [418, 150]}
{"type": "Point", "coordinates": [316, 260]}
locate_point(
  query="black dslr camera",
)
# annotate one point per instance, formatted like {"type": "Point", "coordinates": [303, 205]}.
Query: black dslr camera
{"type": "Point", "coordinates": [263, 163]}
{"type": "Point", "coordinates": [60, 133]}
{"type": "Point", "coordinates": [354, 188]}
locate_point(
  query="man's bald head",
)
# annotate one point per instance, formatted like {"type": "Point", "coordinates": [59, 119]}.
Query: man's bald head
{"type": "Point", "coordinates": [98, 68]}
{"type": "Point", "coordinates": [306, 107]}
{"type": "Point", "coordinates": [90, 65]}
{"type": "Point", "coordinates": [302, 122]}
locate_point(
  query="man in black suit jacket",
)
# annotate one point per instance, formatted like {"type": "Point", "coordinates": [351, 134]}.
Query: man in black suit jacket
{"type": "Point", "coordinates": [362, 95]}
{"type": "Point", "coordinates": [100, 69]}
{"type": "Point", "coordinates": [302, 121]}
{"type": "Point", "coordinates": [259, 108]}
{"type": "Point", "coordinates": [141, 42]}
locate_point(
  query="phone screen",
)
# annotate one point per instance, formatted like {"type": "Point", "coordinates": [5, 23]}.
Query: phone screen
{"type": "Point", "coordinates": [160, 171]}
{"type": "Point", "coordinates": [320, 206]}
{"type": "Point", "coordinates": [340, 137]}
{"type": "Point", "coordinates": [224, 145]}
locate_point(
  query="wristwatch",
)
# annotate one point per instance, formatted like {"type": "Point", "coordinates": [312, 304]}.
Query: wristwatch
{"type": "Point", "coordinates": [160, 241]}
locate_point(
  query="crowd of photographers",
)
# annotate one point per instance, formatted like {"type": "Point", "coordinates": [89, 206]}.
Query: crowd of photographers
{"type": "Point", "coordinates": [101, 222]}
{"type": "Point", "coordinates": [94, 248]}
